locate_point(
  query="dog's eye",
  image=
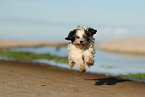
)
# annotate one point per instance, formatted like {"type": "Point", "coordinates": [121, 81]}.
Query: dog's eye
{"type": "Point", "coordinates": [77, 37]}
{"type": "Point", "coordinates": [85, 36]}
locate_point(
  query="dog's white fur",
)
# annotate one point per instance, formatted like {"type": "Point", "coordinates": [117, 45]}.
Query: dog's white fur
{"type": "Point", "coordinates": [78, 56]}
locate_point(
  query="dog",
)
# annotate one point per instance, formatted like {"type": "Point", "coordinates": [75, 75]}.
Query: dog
{"type": "Point", "coordinates": [81, 48]}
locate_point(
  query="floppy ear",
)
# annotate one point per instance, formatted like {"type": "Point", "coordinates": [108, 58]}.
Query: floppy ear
{"type": "Point", "coordinates": [71, 35]}
{"type": "Point", "coordinates": [92, 31]}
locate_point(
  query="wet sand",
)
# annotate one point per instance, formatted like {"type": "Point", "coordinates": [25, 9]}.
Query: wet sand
{"type": "Point", "coordinates": [21, 79]}
{"type": "Point", "coordinates": [126, 45]}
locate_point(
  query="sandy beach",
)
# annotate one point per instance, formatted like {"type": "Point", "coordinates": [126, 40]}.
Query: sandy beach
{"type": "Point", "coordinates": [126, 45]}
{"type": "Point", "coordinates": [23, 79]}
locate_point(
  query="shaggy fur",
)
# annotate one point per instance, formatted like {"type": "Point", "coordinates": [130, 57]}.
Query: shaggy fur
{"type": "Point", "coordinates": [82, 47]}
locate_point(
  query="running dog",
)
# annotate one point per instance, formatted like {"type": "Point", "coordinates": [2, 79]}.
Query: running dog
{"type": "Point", "coordinates": [81, 48]}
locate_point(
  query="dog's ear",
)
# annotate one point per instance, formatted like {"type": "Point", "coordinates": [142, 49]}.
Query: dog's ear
{"type": "Point", "coordinates": [71, 35]}
{"type": "Point", "coordinates": [92, 31]}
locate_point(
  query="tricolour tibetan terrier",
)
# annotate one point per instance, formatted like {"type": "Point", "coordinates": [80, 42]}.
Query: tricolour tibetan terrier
{"type": "Point", "coordinates": [82, 47]}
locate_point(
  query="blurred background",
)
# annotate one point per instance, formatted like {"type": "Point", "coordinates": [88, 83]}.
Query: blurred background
{"type": "Point", "coordinates": [51, 20]}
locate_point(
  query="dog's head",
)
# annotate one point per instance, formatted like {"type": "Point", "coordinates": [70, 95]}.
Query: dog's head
{"type": "Point", "coordinates": [81, 36]}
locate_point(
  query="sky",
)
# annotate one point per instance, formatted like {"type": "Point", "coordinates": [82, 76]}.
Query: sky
{"type": "Point", "coordinates": [52, 20]}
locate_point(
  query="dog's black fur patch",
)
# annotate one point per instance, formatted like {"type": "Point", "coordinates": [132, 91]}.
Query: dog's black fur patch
{"type": "Point", "coordinates": [90, 32]}
{"type": "Point", "coordinates": [71, 35]}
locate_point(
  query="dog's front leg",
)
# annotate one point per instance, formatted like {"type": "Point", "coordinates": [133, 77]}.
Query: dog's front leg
{"type": "Point", "coordinates": [80, 63]}
{"type": "Point", "coordinates": [71, 63]}
{"type": "Point", "coordinates": [89, 59]}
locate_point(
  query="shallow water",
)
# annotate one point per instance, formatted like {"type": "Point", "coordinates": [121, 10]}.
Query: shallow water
{"type": "Point", "coordinates": [105, 62]}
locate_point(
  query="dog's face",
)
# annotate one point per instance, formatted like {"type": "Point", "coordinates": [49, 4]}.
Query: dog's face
{"type": "Point", "coordinates": [81, 37]}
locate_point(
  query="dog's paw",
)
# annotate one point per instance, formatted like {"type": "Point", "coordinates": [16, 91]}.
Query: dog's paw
{"type": "Point", "coordinates": [71, 64]}
{"type": "Point", "coordinates": [90, 63]}
{"type": "Point", "coordinates": [82, 69]}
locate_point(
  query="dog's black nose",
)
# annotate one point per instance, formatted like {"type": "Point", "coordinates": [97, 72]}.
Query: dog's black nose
{"type": "Point", "coordinates": [81, 42]}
